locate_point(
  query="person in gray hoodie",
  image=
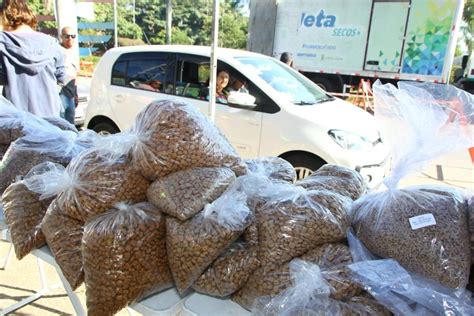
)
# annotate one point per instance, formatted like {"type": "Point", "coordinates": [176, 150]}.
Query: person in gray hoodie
{"type": "Point", "coordinates": [32, 62]}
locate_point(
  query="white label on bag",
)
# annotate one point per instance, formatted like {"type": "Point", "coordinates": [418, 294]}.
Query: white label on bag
{"type": "Point", "coordinates": [421, 221]}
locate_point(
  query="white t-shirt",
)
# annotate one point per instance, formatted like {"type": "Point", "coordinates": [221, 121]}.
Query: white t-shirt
{"type": "Point", "coordinates": [71, 63]}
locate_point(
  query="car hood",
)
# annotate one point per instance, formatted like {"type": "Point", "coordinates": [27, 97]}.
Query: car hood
{"type": "Point", "coordinates": [341, 115]}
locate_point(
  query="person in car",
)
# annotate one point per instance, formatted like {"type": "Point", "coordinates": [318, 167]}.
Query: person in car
{"type": "Point", "coordinates": [221, 83]}
{"type": "Point", "coordinates": [32, 62]}
{"type": "Point", "coordinates": [238, 85]}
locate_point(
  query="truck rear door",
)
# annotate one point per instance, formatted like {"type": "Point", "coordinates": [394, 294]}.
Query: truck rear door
{"type": "Point", "coordinates": [387, 30]}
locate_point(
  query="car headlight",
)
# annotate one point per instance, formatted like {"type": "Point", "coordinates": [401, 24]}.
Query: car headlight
{"type": "Point", "coordinates": [350, 141]}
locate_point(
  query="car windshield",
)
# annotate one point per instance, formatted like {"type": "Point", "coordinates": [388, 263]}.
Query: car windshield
{"type": "Point", "coordinates": [289, 84]}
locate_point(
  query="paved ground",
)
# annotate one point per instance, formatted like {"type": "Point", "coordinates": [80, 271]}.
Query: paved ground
{"type": "Point", "coordinates": [455, 170]}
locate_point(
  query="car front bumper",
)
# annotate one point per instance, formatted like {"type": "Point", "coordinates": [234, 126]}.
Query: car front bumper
{"type": "Point", "coordinates": [375, 174]}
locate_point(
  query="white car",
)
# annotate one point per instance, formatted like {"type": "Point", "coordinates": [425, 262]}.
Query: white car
{"type": "Point", "coordinates": [292, 117]}
{"type": "Point", "coordinates": [83, 92]}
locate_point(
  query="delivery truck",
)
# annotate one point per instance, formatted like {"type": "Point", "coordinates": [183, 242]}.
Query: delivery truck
{"type": "Point", "coordinates": [339, 42]}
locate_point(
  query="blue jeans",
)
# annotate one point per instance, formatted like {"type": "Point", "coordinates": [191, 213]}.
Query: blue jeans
{"type": "Point", "coordinates": [68, 112]}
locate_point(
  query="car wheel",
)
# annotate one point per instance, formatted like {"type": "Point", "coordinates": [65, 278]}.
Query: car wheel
{"type": "Point", "coordinates": [105, 128]}
{"type": "Point", "coordinates": [304, 165]}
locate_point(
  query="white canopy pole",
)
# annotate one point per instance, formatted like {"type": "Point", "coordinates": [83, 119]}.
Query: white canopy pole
{"type": "Point", "coordinates": [115, 25]}
{"type": "Point", "coordinates": [213, 70]}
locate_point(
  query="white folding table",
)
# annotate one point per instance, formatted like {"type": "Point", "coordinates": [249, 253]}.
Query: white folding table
{"type": "Point", "coordinates": [5, 237]}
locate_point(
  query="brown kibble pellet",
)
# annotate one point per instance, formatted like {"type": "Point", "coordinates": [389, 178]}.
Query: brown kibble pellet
{"type": "Point", "coordinates": [185, 193]}
{"type": "Point", "coordinates": [24, 212]}
{"type": "Point", "coordinates": [440, 251]}
{"type": "Point", "coordinates": [178, 137]}
{"type": "Point", "coordinates": [63, 235]}
{"type": "Point", "coordinates": [124, 253]}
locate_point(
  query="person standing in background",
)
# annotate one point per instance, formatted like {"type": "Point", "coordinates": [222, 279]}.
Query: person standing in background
{"type": "Point", "coordinates": [68, 92]}
{"type": "Point", "coordinates": [32, 62]}
{"type": "Point", "coordinates": [286, 58]}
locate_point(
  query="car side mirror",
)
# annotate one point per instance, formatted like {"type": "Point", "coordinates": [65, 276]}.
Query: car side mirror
{"type": "Point", "coordinates": [241, 100]}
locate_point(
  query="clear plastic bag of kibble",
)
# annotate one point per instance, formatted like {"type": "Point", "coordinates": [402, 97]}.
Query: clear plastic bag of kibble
{"type": "Point", "coordinates": [275, 168]}
{"type": "Point", "coordinates": [92, 183]}
{"type": "Point", "coordinates": [309, 296]}
{"type": "Point", "coordinates": [423, 227]}
{"type": "Point", "coordinates": [332, 259]}
{"type": "Point", "coordinates": [194, 244]}
{"type": "Point", "coordinates": [124, 256]}
{"type": "Point", "coordinates": [15, 123]}
{"type": "Point", "coordinates": [292, 220]}
{"type": "Point", "coordinates": [24, 212]}
{"type": "Point", "coordinates": [43, 143]}
{"type": "Point", "coordinates": [13, 120]}
{"type": "Point", "coordinates": [401, 291]}
{"type": "Point", "coordinates": [342, 180]}
{"type": "Point", "coordinates": [173, 136]}
{"type": "Point", "coordinates": [184, 193]}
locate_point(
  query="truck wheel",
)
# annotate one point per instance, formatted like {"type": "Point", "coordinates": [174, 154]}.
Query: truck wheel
{"type": "Point", "coordinates": [105, 128]}
{"type": "Point", "coordinates": [304, 164]}
{"type": "Point", "coordinates": [324, 83]}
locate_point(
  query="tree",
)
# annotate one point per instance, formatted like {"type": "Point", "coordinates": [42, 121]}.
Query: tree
{"type": "Point", "coordinates": [192, 22]}
{"type": "Point", "coordinates": [104, 12]}
{"type": "Point", "coordinates": [468, 29]}
{"type": "Point", "coordinates": [41, 7]}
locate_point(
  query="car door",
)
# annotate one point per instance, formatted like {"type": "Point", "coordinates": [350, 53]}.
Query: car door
{"type": "Point", "coordinates": [242, 127]}
{"type": "Point", "coordinates": [137, 80]}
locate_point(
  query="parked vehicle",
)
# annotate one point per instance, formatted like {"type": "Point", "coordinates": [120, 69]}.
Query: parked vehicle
{"type": "Point", "coordinates": [337, 42]}
{"type": "Point", "coordinates": [83, 92]}
{"type": "Point", "coordinates": [291, 117]}
{"type": "Point", "coordinates": [464, 76]}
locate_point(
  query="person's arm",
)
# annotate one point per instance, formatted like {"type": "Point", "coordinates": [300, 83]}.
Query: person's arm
{"type": "Point", "coordinates": [60, 71]}
{"type": "Point", "coordinates": [3, 72]}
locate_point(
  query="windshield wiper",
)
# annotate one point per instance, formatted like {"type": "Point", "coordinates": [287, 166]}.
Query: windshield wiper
{"type": "Point", "coordinates": [303, 103]}
{"type": "Point", "coordinates": [328, 98]}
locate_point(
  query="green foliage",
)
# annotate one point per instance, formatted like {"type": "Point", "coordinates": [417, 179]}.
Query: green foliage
{"type": "Point", "coordinates": [91, 58]}
{"type": "Point", "coordinates": [104, 12]}
{"type": "Point", "coordinates": [191, 21]}
{"type": "Point", "coordinates": [123, 41]}
{"type": "Point", "coordinates": [38, 7]}
{"type": "Point", "coordinates": [468, 29]}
